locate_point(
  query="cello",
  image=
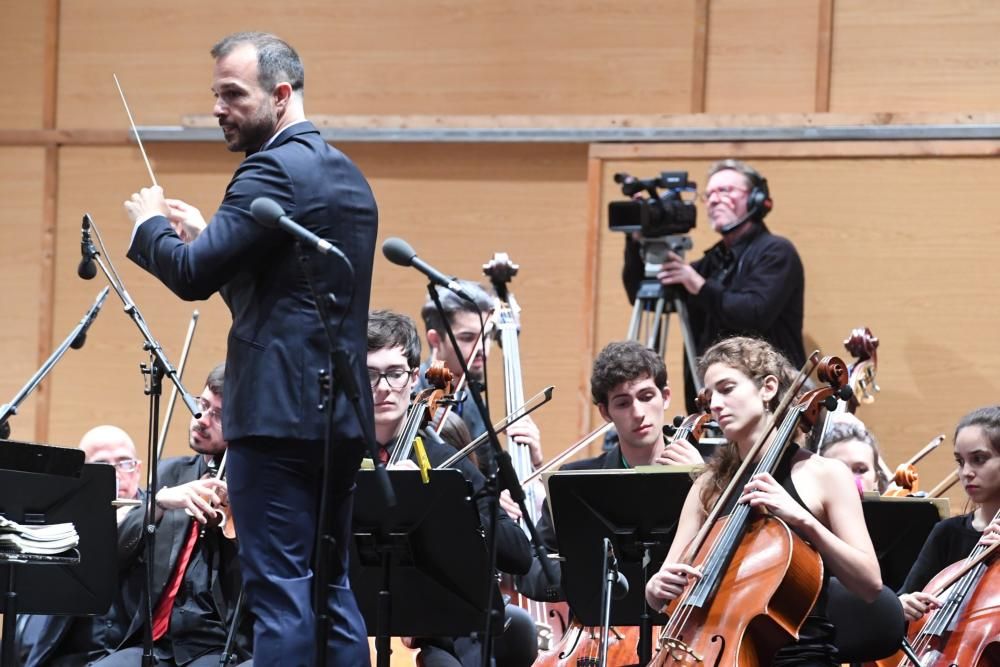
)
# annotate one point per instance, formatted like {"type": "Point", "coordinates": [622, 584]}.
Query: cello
{"type": "Point", "coordinates": [965, 630]}
{"type": "Point", "coordinates": [759, 579]}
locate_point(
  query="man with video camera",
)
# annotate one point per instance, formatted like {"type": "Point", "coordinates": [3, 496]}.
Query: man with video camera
{"type": "Point", "coordinates": [749, 283]}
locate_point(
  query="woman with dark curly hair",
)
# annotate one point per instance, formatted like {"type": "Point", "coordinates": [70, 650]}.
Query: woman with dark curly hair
{"type": "Point", "coordinates": [816, 497]}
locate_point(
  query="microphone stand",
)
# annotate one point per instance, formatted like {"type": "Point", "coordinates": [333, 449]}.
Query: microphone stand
{"type": "Point", "coordinates": [611, 574]}
{"type": "Point", "coordinates": [75, 340]}
{"type": "Point", "coordinates": [339, 374]}
{"type": "Point", "coordinates": [154, 370]}
{"type": "Point", "coordinates": [502, 476]}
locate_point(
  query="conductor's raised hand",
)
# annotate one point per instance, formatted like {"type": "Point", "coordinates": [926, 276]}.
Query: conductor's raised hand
{"type": "Point", "coordinates": [146, 203]}
{"type": "Point", "coordinates": [186, 220]}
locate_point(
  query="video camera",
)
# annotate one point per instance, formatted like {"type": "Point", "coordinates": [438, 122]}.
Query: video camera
{"type": "Point", "coordinates": [658, 214]}
{"type": "Point", "coordinates": [662, 220]}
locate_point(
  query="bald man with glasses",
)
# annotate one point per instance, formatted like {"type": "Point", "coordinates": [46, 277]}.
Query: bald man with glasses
{"type": "Point", "coordinates": [78, 640]}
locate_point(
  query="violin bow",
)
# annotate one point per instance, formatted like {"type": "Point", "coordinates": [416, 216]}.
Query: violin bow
{"type": "Point", "coordinates": [772, 422]}
{"type": "Point", "coordinates": [173, 394]}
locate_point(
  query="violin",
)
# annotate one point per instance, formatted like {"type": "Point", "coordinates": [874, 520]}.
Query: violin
{"type": "Point", "coordinates": [223, 517]}
{"type": "Point", "coordinates": [423, 405]}
{"type": "Point", "coordinates": [760, 579]}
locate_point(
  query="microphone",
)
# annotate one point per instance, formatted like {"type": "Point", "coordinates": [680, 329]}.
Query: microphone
{"type": "Point", "coordinates": [269, 213]}
{"type": "Point", "coordinates": [619, 587]}
{"type": "Point", "coordinates": [88, 319]}
{"type": "Point", "coordinates": [400, 252]}
{"type": "Point", "coordinates": [734, 225]}
{"type": "Point", "coordinates": [87, 268]}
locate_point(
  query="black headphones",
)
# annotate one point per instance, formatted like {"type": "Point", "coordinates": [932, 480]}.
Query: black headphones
{"type": "Point", "coordinates": [759, 202]}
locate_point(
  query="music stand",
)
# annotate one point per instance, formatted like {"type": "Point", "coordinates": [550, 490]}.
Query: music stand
{"type": "Point", "coordinates": [428, 550]}
{"type": "Point", "coordinates": [638, 510]}
{"type": "Point", "coordinates": [40, 484]}
{"type": "Point", "coordinates": [898, 528]}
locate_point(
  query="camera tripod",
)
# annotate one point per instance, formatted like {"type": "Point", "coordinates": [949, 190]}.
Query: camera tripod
{"type": "Point", "coordinates": [654, 304]}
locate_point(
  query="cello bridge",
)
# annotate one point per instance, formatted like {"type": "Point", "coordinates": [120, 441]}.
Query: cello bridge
{"type": "Point", "coordinates": [545, 636]}
{"type": "Point", "coordinates": [678, 650]}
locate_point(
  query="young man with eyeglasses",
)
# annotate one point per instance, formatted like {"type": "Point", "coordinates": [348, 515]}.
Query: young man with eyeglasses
{"type": "Point", "coordinates": [393, 359]}
{"type": "Point", "coordinates": [196, 576]}
{"type": "Point", "coordinates": [750, 283]}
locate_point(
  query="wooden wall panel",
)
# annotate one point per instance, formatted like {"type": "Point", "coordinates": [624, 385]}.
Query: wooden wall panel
{"type": "Point", "coordinates": [919, 56]}
{"type": "Point", "coordinates": [22, 43]}
{"type": "Point", "coordinates": [21, 172]}
{"type": "Point", "coordinates": [762, 56]}
{"type": "Point", "coordinates": [407, 57]}
{"type": "Point", "coordinates": [882, 249]}
{"type": "Point", "coordinates": [101, 383]}
{"type": "Point", "coordinates": [457, 205]}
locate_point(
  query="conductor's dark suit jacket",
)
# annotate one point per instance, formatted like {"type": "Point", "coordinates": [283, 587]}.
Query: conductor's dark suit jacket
{"type": "Point", "coordinates": [276, 343]}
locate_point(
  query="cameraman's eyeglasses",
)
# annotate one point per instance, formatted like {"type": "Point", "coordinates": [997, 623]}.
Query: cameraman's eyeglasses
{"type": "Point", "coordinates": [726, 191]}
{"type": "Point", "coordinates": [396, 378]}
{"type": "Point", "coordinates": [125, 465]}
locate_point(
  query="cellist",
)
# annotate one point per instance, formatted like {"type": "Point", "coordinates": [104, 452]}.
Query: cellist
{"type": "Point", "coordinates": [977, 454]}
{"type": "Point", "coordinates": [848, 441]}
{"type": "Point", "coordinates": [814, 496]}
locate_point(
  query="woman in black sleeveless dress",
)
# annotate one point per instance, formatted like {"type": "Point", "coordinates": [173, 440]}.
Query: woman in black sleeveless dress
{"type": "Point", "coordinates": [816, 497]}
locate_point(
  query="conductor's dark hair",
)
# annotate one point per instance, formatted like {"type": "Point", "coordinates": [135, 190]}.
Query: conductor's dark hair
{"type": "Point", "coordinates": [277, 61]}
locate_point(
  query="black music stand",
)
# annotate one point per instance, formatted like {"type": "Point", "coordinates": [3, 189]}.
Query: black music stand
{"type": "Point", "coordinates": [898, 528]}
{"type": "Point", "coordinates": [638, 511]}
{"type": "Point", "coordinates": [417, 569]}
{"type": "Point", "coordinates": [40, 484]}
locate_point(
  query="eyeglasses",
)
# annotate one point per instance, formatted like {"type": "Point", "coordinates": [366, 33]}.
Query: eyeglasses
{"type": "Point", "coordinates": [726, 191]}
{"type": "Point", "coordinates": [125, 465]}
{"type": "Point", "coordinates": [213, 414]}
{"type": "Point", "coordinates": [396, 378]}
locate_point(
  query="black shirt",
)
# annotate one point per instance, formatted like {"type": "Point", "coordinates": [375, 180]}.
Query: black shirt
{"type": "Point", "coordinates": [950, 541]}
{"type": "Point", "coordinates": [755, 288]}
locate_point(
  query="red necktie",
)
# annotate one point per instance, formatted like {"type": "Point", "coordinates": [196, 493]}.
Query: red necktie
{"type": "Point", "coordinates": [383, 454]}
{"type": "Point", "coordinates": [161, 617]}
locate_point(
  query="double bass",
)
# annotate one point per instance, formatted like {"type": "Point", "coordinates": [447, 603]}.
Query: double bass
{"type": "Point", "coordinates": [501, 271]}
{"type": "Point", "coordinates": [759, 580]}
